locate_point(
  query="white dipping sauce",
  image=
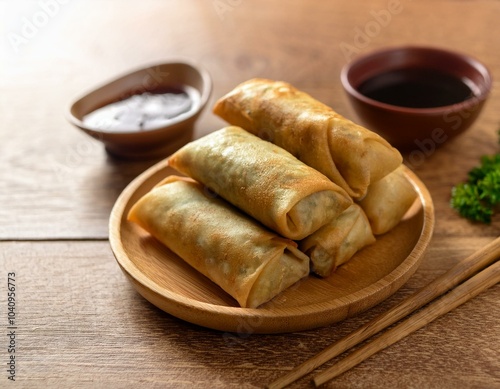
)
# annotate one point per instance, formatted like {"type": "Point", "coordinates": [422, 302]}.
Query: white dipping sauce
{"type": "Point", "coordinates": [146, 111]}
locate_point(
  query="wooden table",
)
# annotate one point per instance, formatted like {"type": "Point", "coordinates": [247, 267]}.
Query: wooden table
{"type": "Point", "coordinates": [79, 321]}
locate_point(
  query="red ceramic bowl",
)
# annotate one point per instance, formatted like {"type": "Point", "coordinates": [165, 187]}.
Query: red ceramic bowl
{"type": "Point", "coordinates": [409, 127]}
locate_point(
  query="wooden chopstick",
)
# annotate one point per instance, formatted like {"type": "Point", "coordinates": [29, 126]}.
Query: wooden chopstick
{"type": "Point", "coordinates": [462, 293]}
{"type": "Point", "coordinates": [457, 274]}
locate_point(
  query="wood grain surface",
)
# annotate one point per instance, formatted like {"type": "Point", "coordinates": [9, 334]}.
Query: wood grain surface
{"type": "Point", "coordinates": [80, 322]}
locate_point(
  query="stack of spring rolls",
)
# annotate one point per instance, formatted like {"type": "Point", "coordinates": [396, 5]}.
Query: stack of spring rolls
{"type": "Point", "coordinates": [289, 188]}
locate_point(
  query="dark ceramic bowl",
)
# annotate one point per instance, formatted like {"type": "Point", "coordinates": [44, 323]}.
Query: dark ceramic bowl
{"type": "Point", "coordinates": [154, 142]}
{"type": "Point", "coordinates": [408, 127]}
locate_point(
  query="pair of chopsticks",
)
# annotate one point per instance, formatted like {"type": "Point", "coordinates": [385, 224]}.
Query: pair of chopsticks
{"type": "Point", "coordinates": [469, 270]}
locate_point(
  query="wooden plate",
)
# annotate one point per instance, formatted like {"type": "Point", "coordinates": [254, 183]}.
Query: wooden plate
{"type": "Point", "coordinates": [371, 276]}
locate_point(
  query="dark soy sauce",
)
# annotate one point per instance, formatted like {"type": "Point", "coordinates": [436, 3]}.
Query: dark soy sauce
{"type": "Point", "coordinates": [416, 88]}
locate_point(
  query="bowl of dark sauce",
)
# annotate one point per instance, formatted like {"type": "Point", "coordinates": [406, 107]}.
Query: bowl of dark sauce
{"type": "Point", "coordinates": [416, 97]}
{"type": "Point", "coordinates": [147, 113]}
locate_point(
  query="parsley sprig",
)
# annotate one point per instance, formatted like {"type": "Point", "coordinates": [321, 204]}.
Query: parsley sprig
{"type": "Point", "coordinates": [478, 197]}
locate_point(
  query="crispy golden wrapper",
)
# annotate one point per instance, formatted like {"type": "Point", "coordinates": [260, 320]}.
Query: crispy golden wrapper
{"type": "Point", "coordinates": [348, 154]}
{"type": "Point", "coordinates": [263, 180]}
{"type": "Point", "coordinates": [245, 259]}
{"type": "Point", "coordinates": [388, 200]}
{"type": "Point", "coordinates": [337, 242]}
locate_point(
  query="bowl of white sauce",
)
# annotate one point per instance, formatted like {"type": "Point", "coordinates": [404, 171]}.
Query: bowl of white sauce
{"type": "Point", "coordinates": [147, 113]}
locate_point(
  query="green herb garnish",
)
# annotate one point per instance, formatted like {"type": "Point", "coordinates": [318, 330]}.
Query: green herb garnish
{"type": "Point", "coordinates": [478, 198]}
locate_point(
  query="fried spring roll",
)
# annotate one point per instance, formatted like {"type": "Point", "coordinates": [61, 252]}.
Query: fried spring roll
{"type": "Point", "coordinates": [263, 180]}
{"type": "Point", "coordinates": [246, 260]}
{"type": "Point", "coordinates": [348, 154]}
{"type": "Point", "coordinates": [388, 200]}
{"type": "Point", "coordinates": [337, 242]}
